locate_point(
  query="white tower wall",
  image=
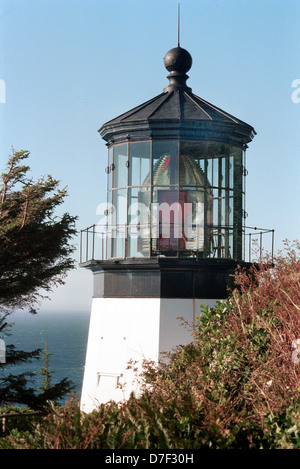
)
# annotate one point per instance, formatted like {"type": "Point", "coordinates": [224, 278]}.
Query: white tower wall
{"type": "Point", "coordinates": [125, 329]}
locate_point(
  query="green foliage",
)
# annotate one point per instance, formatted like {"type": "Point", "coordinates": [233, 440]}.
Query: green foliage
{"type": "Point", "coordinates": [35, 255]}
{"type": "Point", "coordinates": [235, 386]}
{"type": "Point", "coordinates": [45, 372]}
{"type": "Point", "coordinates": [21, 420]}
{"type": "Point", "coordinates": [34, 244]}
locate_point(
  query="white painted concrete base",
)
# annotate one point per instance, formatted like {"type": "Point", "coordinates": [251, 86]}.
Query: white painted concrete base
{"type": "Point", "coordinates": [124, 329]}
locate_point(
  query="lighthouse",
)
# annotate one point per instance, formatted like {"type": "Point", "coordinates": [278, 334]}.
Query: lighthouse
{"type": "Point", "coordinates": [173, 233]}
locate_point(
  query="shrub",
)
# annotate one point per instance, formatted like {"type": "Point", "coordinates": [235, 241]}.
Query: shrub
{"type": "Point", "coordinates": [235, 386]}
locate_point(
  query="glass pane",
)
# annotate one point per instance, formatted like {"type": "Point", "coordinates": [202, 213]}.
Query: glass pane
{"type": "Point", "coordinates": [191, 166]}
{"type": "Point", "coordinates": [219, 172]}
{"type": "Point", "coordinates": [209, 171]}
{"type": "Point", "coordinates": [222, 207]}
{"type": "Point", "coordinates": [202, 165]}
{"type": "Point", "coordinates": [139, 164]}
{"type": "Point", "coordinates": [107, 246]}
{"type": "Point", "coordinates": [109, 171]}
{"type": "Point", "coordinates": [215, 175]}
{"type": "Point", "coordinates": [138, 244]}
{"type": "Point", "coordinates": [193, 214]}
{"type": "Point", "coordinates": [118, 242]}
{"type": "Point", "coordinates": [170, 220]}
{"type": "Point", "coordinates": [110, 221]}
{"type": "Point", "coordinates": [120, 169]}
{"type": "Point", "coordinates": [215, 206]}
{"type": "Point", "coordinates": [109, 209]}
{"type": "Point", "coordinates": [236, 164]}
{"type": "Point", "coordinates": [200, 152]}
{"type": "Point", "coordinates": [237, 185]}
{"type": "Point", "coordinates": [120, 206]}
{"type": "Point", "coordinates": [231, 165]}
{"type": "Point", "coordinates": [231, 208]}
{"type": "Point", "coordinates": [222, 172]}
{"type": "Point", "coordinates": [119, 220]}
{"type": "Point", "coordinates": [165, 163]}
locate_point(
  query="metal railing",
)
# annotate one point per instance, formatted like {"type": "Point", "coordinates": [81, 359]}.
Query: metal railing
{"type": "Point", "coordinates": [98, 242]}
{"type": "Point", "coordinates": [22, 415]}
{"type": "Point", "coordinates": [257, 243]}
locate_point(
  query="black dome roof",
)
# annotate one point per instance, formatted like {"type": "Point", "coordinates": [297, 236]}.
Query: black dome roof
{"type": "Point", "coordinates": [177, 113]}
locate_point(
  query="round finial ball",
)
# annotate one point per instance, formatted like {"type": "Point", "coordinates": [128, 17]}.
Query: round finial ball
{"type": "Point", "coordinates": [178, 59]}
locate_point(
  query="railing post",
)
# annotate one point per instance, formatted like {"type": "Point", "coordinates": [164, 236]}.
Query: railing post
{"type": "Point", "coordinates": [93, 244]}
{"type": "Point", "coordinates": [126, 241]}
{"type": "Point", "coordinates": [260, 245]}
{"type": "Point", "coordinates": [80, 255]}
{"type": "Point", "coordinates": [87, 245]}
{"type": "Point", "coordinates": [249, 247]}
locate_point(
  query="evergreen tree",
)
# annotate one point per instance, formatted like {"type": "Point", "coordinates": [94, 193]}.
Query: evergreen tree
{"type": "Point", "coordinates": [45, 372]}
{"type": "Point", "coordinates": [34, 249]}
{"type": "Point", "coordinates": [35, 256]}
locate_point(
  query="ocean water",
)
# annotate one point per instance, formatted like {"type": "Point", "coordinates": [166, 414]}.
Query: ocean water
{"type": "Point", "coordinates": [66, 336]}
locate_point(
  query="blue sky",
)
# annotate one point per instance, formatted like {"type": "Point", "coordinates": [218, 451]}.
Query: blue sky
{"type": "Point", "coordinates": [71, 65]}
